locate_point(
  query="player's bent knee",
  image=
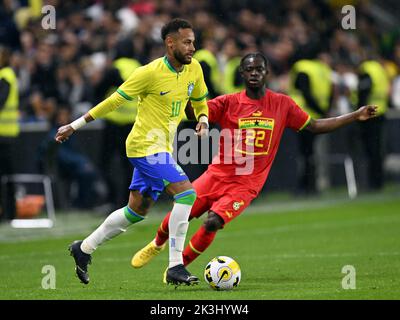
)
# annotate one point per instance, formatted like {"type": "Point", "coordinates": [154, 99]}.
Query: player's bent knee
{"type": "Point", "coordinates": [139, 203]}
{"type": "Point", "coordinates": [213, 222]}
{"type": "Point", "coordinates": [138, 208]}
{"type": "Point", "coordinates": [187, 197]}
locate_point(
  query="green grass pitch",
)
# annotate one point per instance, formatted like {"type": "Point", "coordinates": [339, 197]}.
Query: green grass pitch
{"type": "Point", "coordinates": [287, 249]}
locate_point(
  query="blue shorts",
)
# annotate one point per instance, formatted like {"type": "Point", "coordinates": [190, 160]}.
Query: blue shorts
{"type": "Point", "coordinates": [152, 173]}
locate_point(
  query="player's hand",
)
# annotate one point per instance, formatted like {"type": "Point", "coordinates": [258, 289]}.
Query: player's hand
{"type": "Point", "coordinates": [63, 133]}
{"type": "Point", "coordinates": [367, 112]}
{"type": "Point", "coordinates": [202, 129]}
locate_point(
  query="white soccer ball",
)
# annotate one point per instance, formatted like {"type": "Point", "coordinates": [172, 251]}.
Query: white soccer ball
{"type": "Point", "coordinates": [222, 273]}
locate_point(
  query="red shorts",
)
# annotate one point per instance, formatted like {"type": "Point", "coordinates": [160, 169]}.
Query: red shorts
{"type": "Point", "coordinates": [228, 200]}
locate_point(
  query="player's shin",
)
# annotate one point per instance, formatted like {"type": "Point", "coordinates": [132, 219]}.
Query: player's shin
{"type": "Point", "coordinates": [200, 241]}
{"type": "Point", "coordinates": [162, 231]}
{"type": "Point", "coordinates": [178, 225]}
{"type": "Point", "coordinates": [116, 223]}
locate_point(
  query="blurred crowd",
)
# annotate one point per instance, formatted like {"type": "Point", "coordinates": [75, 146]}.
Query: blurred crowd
{"type": "Point", "coordinates": [64, 66]}
{"type": "Point", "coordinates": [71, 68]}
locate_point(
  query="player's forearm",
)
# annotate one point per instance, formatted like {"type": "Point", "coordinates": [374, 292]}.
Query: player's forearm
{"type": "Point", "coordinates": [331, 124]}
{"type": "Point", "coordinates": [190, 112]}
{"type": "Point", "coordinates": [88, 117]}
{"type": "Point", "coordinates": [80, 122]}
{"type": "Point", "coordinates": [104, 107]}
{"type": "Point", "coordinates": [201, 110]}
{"type": "Point", "coordinates": [201, 113]}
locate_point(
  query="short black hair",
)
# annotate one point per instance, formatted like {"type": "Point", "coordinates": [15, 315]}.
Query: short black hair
{"type": "Point", "coordinates": [254, 55]}
{"type": "Point", "coordinates": [174, 26]}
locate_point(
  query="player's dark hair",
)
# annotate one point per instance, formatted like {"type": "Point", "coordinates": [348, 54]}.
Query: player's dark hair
{"type": "Point", "coordinates": [174, 26]}
{"type": "Point", "coordinates": [254, 55]}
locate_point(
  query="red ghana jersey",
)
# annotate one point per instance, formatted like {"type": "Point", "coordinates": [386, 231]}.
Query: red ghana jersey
{"type": "Point", "coordinates": [251, 131]}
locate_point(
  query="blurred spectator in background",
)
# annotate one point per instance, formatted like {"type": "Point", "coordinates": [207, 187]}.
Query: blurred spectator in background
{"type": "Point", "coordinates": [9, 33]}
{"type": "Point", "coordinates": [39, 108]}
{"type": "Point", "coordinates": [9, 130]}
{"type": "Point", "coordinates": [209, 63]}
{"type": "Point", "coordinates": [64, 162]}
{"type": "Point", "coordinates": [44, 73]}
{"type": "Point", "coordinates": [72, 64]}
{"type": "Point", "coordinates": [345, 87]}
{"type": "Point", "coordinates": [373, 89]}
{"type": "Point", "coordinates": [118, 124]}
{"type": "Point", "coordinates": [395, 92]}
{"type": "Point", "coordinates": [311, 88]}
{"type": "Point", "coordinates": [231, 55]}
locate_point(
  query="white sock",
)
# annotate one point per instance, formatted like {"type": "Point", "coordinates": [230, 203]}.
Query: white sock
{"type": "Point", "coordinates": [177, 225]}
{"type": "Point", "coordinates": [114, 224]}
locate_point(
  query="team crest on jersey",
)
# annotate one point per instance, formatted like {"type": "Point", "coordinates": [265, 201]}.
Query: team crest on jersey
{"type": "Point", "coordinates": [236, 205]}
{"type": "Point", "coordinates": [190, 88]}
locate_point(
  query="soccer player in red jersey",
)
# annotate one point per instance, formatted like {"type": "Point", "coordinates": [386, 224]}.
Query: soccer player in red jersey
{"type": "Point", "coordinates": [252, 123]}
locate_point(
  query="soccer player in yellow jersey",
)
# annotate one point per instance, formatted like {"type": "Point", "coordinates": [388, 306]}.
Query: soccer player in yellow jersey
{"type": "Point", "coordinates": [163, 88]}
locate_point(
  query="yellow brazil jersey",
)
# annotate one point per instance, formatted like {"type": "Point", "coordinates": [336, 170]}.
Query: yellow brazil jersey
{"type": "Point", "coordinates": [162, 97]}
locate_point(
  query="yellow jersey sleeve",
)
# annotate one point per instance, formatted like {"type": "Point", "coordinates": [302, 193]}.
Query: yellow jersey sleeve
{"type": "Point", "coordinates": [137, 83]}
{"type": "Point", "coordinates": [199, 94]}
{"type": "Point", "coordinates": [107, 105]}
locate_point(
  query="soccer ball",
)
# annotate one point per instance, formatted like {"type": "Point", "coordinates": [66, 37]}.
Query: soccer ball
{"type": "Point", "coordinates": [222, 273]}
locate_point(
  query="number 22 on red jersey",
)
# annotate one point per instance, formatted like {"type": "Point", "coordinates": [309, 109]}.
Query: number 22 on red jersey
{"type": "Point", "coordinates": [254, 135]}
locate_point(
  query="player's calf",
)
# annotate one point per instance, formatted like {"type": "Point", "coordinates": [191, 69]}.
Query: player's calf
{"type": "Point", "coordinates": [213, 222]}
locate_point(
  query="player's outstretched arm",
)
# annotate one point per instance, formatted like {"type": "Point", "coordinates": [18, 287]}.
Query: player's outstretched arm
{"type": "Point", "coordinates": [331, 124]}
{"type": "Point", "coordinates": [64, 132]}
{"type": "Point", "coordinates": [99, 111]}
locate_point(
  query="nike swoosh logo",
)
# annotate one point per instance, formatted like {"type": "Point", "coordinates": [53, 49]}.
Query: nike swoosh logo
{"type": "Point", "coordinates": [80, 269]}
{"type": "Point", "coordinates": [164, 92]}
{"type": "Point", "coordinates": [224, 273]}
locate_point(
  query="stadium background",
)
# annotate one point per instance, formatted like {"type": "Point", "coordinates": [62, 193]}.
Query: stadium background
{"type": "Point", "coordinates": [61, 69]}
{"type": "Point", "coordinates": [65, 68]}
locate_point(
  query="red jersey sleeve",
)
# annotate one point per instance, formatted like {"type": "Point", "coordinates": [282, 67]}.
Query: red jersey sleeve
{"type": "Point", "coordinates": [216, 108]}
{"type": "Point", "coordinates": [297, 119]}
